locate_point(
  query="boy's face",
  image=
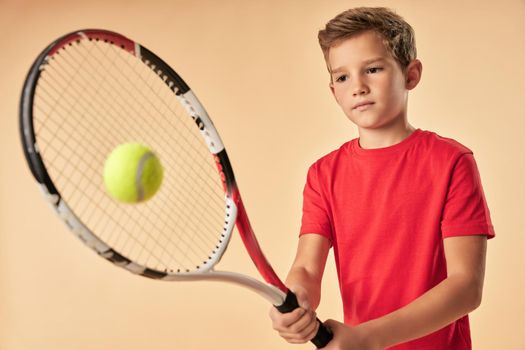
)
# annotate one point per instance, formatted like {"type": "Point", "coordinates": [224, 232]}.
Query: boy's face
{"type": "Point", "coordinates": [363, 71]}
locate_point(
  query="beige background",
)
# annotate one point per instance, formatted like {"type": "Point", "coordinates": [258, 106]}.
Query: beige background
{"type": "Point", "coordinates": [257, 67]}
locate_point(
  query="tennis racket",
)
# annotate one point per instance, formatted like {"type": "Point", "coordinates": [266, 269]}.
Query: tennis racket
{"type": "Point", "coordinates": [92, 90]}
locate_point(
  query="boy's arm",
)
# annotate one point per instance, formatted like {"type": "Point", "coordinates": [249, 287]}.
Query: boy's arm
{"type": "Point", "coordinates": [456, 296]}
{"type": "Point", "coordinates": [304, 279]}
{"type": "Point", "coordinates": [308, 266]}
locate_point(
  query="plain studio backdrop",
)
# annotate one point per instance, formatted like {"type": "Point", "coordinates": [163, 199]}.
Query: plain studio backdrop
{"type": "Point", "coordinates": [257, 68]}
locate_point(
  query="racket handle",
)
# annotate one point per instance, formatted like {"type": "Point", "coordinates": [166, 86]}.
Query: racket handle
{"type": "Point", "coordinates": [323, 335]}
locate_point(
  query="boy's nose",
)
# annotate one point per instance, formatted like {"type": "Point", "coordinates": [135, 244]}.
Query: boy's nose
{"type": "Point", "coordinates": [359, 88]}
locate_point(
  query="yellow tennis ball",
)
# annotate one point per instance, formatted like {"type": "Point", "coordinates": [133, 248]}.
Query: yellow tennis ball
{"type": "Point", "coordinates": [132, 173]}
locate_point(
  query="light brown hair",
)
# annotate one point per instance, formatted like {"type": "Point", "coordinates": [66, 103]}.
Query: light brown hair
{"type": "Point", "coordinates": [398, 36]}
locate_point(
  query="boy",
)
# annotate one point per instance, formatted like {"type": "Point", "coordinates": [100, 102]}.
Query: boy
{"type": "Point", "coordinates": [403, 208]}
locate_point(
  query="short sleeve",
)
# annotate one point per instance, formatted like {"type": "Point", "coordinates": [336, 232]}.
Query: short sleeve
{"type": "Point", "coordinates": [316, 218]}
{"type": "Point", "coordinates": [466, 211]}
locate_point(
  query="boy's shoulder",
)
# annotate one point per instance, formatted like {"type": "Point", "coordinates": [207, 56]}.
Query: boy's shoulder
{"type": "Point", "coordinates": [446, 143]}
{"type": "Point", "coordinates": [442, 147]}
{"type": "Point", "coordinates": [330, 157]}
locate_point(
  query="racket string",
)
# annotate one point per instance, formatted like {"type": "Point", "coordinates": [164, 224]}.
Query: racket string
{"type": "Point", "coordinates": [190, 130]}
{"type": "Point", "coordinates": [84, 194]}
{"type": "Point", "coordinates": [60, 174]}
{"type": "Point", "coordinates": [116, 129]}
{"type": "Point", "coordinates": [155, 249]}
{"type": "Point", "coordinates": [95, 170]}
{"type": "Point", "coordinates": [88, 151]}
{"type": "Point", "coordinates": [221, 214]}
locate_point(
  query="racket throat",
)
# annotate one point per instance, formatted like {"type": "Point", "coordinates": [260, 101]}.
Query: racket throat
{"type": "Point", "coordinates": [267, 291]}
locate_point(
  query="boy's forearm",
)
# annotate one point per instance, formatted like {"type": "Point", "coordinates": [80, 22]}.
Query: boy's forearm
{"type": "Point", "coordinates": [453, 298]}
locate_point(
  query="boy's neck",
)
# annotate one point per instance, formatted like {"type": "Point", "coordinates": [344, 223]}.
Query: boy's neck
{"type": "Point", "coordinates": [384, 137]}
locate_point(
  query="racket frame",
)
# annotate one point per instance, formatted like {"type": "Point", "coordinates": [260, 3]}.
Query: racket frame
{"type": "Point", "coordinates": [273, 290]}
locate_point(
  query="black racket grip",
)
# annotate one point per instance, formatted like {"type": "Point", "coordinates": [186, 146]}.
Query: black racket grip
{"type": "Point", "coordinates": [323, 335]}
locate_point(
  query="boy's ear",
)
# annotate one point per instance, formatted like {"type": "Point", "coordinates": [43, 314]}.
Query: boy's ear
{"type": "Point", "coordinates": [413, 74]}
{"type": "Point", "coordinates": [331, 86]}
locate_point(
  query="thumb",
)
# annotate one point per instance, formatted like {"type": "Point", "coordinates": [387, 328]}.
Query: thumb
{"type": "Point", "coordinates": [333, 325]}
{"type": "Point", "coordinates": [302, 296]}
{"type": "Point", "coordinates": [330, 323]}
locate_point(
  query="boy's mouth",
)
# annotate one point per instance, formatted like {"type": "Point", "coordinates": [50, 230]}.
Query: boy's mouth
{"type": "Point", "coordinates": [362, 105]}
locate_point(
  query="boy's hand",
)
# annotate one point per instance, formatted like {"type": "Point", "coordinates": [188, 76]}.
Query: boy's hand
{"type": "Point", "coordinates": [298, 326]}
{"type": "Point", "coordinates": [346, 338]}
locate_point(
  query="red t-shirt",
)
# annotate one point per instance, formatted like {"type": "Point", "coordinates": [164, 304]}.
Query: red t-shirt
{"type": "Point", "coordinates": [386, 212]}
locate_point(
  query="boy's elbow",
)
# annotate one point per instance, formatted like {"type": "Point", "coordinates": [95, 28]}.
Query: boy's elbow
{"type": "Point", "coordinates": [474, 295]}
{"type": "Point", "coordinates": [478, 296]}
{"type": "Point", "coordinates": [474, 302]}
{"type": "Point", "coordinates": [470, 293]}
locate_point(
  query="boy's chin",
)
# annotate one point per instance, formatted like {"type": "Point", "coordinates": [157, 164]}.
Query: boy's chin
{"type": "Point", "coordinates": [367, 122]}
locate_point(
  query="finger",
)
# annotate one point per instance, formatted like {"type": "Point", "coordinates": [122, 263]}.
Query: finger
{"type": "Point", "coordinates": [293, 338]}
{"type": "Point", "coordinates": [282, 321]}
{"type": "Point", "coordinates": [295, 341]}
{"type": "Point", "coordinates": [301, 331]}
{"type": "Point", "coordinates": [306, 321]}
{"type": "Point", "coordinates": [311, 334]}
{"type": "Point", "coordinates": [277, 315]}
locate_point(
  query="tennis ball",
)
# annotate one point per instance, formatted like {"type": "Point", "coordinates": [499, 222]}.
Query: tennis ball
{"type": "Point", "coordinates": [132, 173]}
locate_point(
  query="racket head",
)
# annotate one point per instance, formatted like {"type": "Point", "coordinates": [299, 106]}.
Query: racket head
{"type": "Point", "coordinates": [102, 72]}
{"type": "Point", "coordinates": [76, 192]}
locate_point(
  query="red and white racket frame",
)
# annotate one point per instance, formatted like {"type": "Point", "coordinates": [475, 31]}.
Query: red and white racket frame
{"type": "Point", "coordinates": [273, 290]}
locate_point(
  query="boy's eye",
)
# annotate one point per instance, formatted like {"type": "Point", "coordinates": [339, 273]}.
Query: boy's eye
{"type": "Point", "coordinates": [374, 70]}
{"type": "Point", "coordinates": [341, 78]}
